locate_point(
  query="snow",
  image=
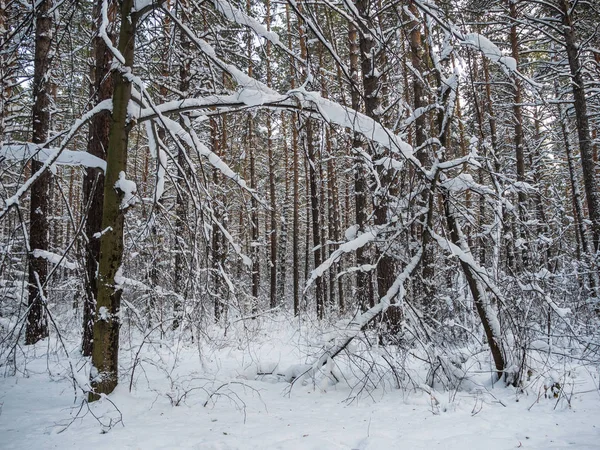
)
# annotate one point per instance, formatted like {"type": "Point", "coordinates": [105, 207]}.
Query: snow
{"type": "Point", "coordinates": [191, 139]}
{"type": "Point", "coordinates": [99, 234]}
{"type": "Point", "coordinates": [105, 105]}
{"type": "Point", "coordinates": [129, 190]}
{"type": "Point", "coordinates": [102, 32]}
{"type": "Point", "coordinates": [23, 152]}
{"type": "Point", "coordinates": [103, 313]}
{"type": "Point", "coordinates": [139, 5]}
{"type": "Point", "coordinates": [231, 396]}
{"type": "Point", "coordinates": [347, 247]}
{"type": "Point", "coordinates": [253, 93]}
{"type": "Point", "coordinates": [490, 50]}
{"type": "Point", "coordinates": [55, 259]}
{"type": "Point", "coordinates": [235, 15]}
{"type": "Point", "coordinates": [241, 78]}
{"type": "Point", "coordinates": [351, 232]}
{"type": "Point", "coordinates": [465, 182]}
{"type": "Point", "coordinates": [161, 156]}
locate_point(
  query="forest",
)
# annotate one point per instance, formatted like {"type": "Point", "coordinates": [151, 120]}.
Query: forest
{"type": "Point", "coordinates": [203, 200]}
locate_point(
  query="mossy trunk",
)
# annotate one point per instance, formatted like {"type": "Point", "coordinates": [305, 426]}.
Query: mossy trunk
{"type": "Point", "coordinates": [104, 375]}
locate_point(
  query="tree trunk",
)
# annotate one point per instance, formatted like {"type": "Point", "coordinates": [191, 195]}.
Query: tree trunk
{"type": "Point", "coordinates": [283, 233]}
{"type": "Point", "coordinates": [93, 180]}
{"type": "Point", "coordinates": [181, 266]}
{"type": "Point", "coordinates": [583, 127]}
{"type": "Point", "coordinates": [480, 297]}
{"type": "Point", "coordinates": [363, 279]}
{"type": "Point", "coordinates": [8, 66]}
{"type": "Point", "coordinates": [254, 217]}
{"type": "Point", "coordinates": [519, 137]}
{"type": "Point", "coordinates": [315, 216]}
{"type": "Point", "coordinates": [37, 322]}
{"type": "Point", "coordinates": [105, 355]}
{"type": "Point", "coordinates": [273, 301]}
{"type": "Point", "coordinates": [425, 289]}
{"type": "Point", "coordinates": [295, 179]}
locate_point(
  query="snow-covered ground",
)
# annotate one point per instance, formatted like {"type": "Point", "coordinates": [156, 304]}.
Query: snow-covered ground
{"type": "Point", "coordinates": [214, 397]}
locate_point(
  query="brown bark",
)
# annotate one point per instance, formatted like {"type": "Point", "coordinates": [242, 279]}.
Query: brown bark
{"type": "Point", "coordinates": [295, 181]}
{"type": "Point", "coordinates": [254, 218]}
{"type": "Point", "coordinates": [582, 120]}
{"type": "Point", "coordinates": [364, 289]}
{"type": "Point", "coordinates": [425, 290]}
{"type": "Point", "coordinates": [315, 215]}
{"type": "Point", "coordinates": [283, 233]}
{"type": "Point", "coordinates": [519, 137]}
{"type": "Point", "coordinates": [7, 70]}
{"type": "Point", "coordinates": [181, 264]}
{"type": "Point", "coordinates": [37, 322]}
{"type": "Point", "coordinates": [272, 199]}
{"type": "Point", "coordinates": [93, 180]}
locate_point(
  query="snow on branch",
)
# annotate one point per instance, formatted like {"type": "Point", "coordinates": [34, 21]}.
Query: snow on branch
{"type": "Point", "coordinates": [177, 130]}
{"type": "Point", "coordinates": [26, 151]}
{"type": "Point", "coordinates": [465, 256]}
{"type": "Point", "coordinates": [475, 41]}
{"type": "Point", "coordinates": [103, 34]}
{"type": "Point", "coordinates": [347, 247]}
{"type": "Point", "coordinates": [157, 152]}
{"type": "Point", "coordinates": [345, 336]}
{"type": "Point", "coordinates": [490, 51]}
{"type": "Point", "coordinates": [105, 105]}
{"type": "Point", "coordinates": [307, 101]}
{"type": "Point", "coordinates": [53, 258]}
{"type": "Point", "coordinates": [239, 76]}
{"type": "Point", "coordinates": [464, 182]}
{"type": "Point", "coordinates": [235, 15]}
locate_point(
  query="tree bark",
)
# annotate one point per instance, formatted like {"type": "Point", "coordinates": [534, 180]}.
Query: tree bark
{"type": "Point", "coordinates": [93, 180]}
{"type": "Point", "coordinates": [37, 322]}
{"type": "Point", "coordinates": [424, 286]}
{"type": "Point", "coordinates": [295, 180]}
{"type": "Point", "coordinates": [181, 264]}
{"type": "Point", "coordinates": [273, 301]}
{"type": "Point", "coordinates": [364, 289]}
{"type": "Point", "coordinates": [583, 127]}
{"type": "Point", "coordinates": [105, 355]}
{"type": "Point", "coordinates": [480, 298]}
{"type": "Point", "coordinates": [283, 233]}
{"type": "Point", "coordinates": [315, 216]}
{"type": "Point", "coordinates": [519, 137]}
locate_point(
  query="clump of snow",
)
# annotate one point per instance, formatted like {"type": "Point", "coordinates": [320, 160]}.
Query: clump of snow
{"type": "Point", "coordinates": [99, 234]}
{"type": "Point", "coordinates": [465, 182]}
{"type": "Point", "coordinates": [104, 314]}
{"type": "Point", "coordinates": [129, 190]}
{"type": "Point", "coordinates": [359, 241]}
{"type": "Point", "coordinates": [235, 15]}
{"type": "Point", "coordinates": [351, 232]}
{"type": "Point", "coordinates": [490, 50]}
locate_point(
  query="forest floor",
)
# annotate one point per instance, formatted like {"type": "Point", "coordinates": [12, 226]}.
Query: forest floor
{"type": "Point", "coordinates": [221, 396]}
